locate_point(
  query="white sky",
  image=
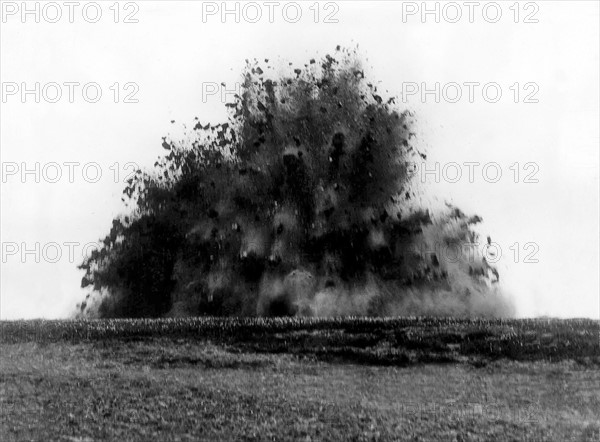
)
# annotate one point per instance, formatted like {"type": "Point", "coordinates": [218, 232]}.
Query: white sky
{"type": "Point", "coordinates": [170, 52]}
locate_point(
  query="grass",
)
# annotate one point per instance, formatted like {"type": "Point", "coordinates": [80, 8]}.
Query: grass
{"type": "Point", "coordinates": [280, 379]}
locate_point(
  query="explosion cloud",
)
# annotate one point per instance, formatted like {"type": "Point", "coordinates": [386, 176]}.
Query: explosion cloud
{"type": "Point", "coordinates": [302, 203]}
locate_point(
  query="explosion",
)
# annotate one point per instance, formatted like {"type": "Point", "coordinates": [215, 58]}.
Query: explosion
{"type": "Point", "coordinates": [302, 203]}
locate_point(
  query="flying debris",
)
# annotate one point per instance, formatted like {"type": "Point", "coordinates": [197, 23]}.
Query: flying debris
{"type": "Point", "coordinates": [286, 209]}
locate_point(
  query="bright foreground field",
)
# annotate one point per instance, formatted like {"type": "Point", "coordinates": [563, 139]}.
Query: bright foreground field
{"type": "Point", "coordinates": [209, 379]}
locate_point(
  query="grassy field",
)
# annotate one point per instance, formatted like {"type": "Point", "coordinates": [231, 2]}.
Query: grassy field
{"type": "Point", "coordinates": [300, 379]}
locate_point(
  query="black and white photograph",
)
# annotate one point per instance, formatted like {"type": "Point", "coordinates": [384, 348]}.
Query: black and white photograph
{"type": "Point", "coordinates": [300, 220]}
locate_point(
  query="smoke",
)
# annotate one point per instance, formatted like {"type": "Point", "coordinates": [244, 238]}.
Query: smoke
{"type": "Point", "coordinates": [463, 287]}
{"type": "Point", "coordinates": [302, 203]}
